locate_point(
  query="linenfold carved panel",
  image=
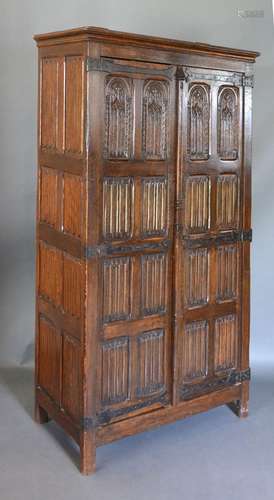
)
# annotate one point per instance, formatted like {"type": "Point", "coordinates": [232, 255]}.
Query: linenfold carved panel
{"type": "Point", "coordinates": [227, 201]}
{"type": "Point", "coordinates": [225, 343]}
{"type": "Point", "coordinates": [228, 123]}
{"type": "Point", "coordinates": [227, 273]}
{"type": "Point", "coordinates": [117, 289]}
{"type": "Point", "coordinates": [195, 350]}
{"type": "Point", "coordinates": [115, 371]}
{"type": "Point", "coordinates": [197, 206]}
{"type": "Point", "coordinates": [117, 207]}
{"type": "Point", "coordinates": [154, 273]}
{"type": "Point", "coordinates": [155, 117]}
{"type": "Point", "coordinates": [154, 206]}
{"type": "Point", "coordinates": [198, 122]}
{"type": "Point", "coordinates": [118, 117]}
{"type": "Point", "coordinates": [196, 277]}
{"type": "Point", "coordinates": [150, 362]}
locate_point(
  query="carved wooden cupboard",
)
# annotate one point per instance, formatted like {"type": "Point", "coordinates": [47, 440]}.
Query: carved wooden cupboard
{"type": "Point", "coordinates": [143, 232]}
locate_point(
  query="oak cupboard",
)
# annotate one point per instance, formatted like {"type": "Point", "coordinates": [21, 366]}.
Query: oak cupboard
{"type": "Point", "coordinates": [143, 232]}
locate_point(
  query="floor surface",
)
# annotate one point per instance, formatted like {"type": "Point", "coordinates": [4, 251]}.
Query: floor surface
{"type": "Point", "coordinates": [210, 456]}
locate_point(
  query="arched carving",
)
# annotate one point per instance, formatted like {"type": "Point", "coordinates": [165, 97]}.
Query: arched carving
{"type": "Point", "coordinates": [198, 122]}
{"type": "Point", "coordinates": [118, 120]}
{"type": "Point", "coordinates": [228, 123]}
{"type": "Point", "coordinates": [155, 106]}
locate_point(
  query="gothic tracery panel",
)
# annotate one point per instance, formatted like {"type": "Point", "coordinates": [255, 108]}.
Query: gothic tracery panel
{"type": "Point", "coordinates": [198, 122]}
{"type": "Point", "coordinates": [155, 107]}
{"type": "Point", "coordinates": [228, 123]}
{"type": "Point", "coordinates": [118, 119]}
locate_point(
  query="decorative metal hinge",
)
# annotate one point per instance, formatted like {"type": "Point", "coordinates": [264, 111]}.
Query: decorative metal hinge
{"type": "Point", "coordinates": [185, 74]}
{"type": "Point", "coordinates": [90, 423]}
{"type": "Point", "coordinates": [247, 235]}
{"type": "Point", "coordinates": [106, 416]}
{"type": "Point", "coordinates": [248, 81]}
{"type": "Point", "coordinates": [182, 73]}
{"type": "Point", "coordinates": [103, 250]}
{"type": "Point", "coordinates": [189, 391]}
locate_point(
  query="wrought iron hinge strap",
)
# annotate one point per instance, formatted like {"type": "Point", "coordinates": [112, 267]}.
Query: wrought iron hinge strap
{"type": "Point", "coordinates": [231, 237]}
{"type": "Point", "coordinates": [89, 423]}
{"type": "Point", "coordinates": [104, 250]}
{"type": "Point", "coordinates": [248, 81]}
{"type": "Point", "coordinates": [110, 66]}
{"type": "Point", "coordinates": [247, 235]}
{"type": "Point", "coordinates": [183, 73]}
{"type": "Point", "coordinates": [194, 390]}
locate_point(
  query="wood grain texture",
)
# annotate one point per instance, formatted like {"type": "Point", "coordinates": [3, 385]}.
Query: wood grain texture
{"type": "Point", "coordinates": [72, 204]}
{"type": "Point", "coordinates": [74, 95]}
{"type": "Point", "coordinates": [49, 102]}
{"type": "Point", "coordinates": [73, 286]}
{"type": "Point", "coordinates": [51, 274]}
{"type": "Point", "coordinates": [49, 212]}
{"type": "Point", "coordinates": [71, 378]}
{"type": "Point", "coordinates": [50, 350]}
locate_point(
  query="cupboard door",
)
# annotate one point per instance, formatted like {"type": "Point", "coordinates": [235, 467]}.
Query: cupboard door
{"type": "Point", "coordinates": [135, 236]}
{"type": "Point", "coordinates": [208, 249]}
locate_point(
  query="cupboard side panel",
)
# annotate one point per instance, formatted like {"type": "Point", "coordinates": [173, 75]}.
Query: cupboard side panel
{"type": "Point", "coordinates": [60, 233]}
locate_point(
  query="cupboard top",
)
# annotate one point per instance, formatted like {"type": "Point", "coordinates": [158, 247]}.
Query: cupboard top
{"type": "Point", "coordinates": [106, 35]}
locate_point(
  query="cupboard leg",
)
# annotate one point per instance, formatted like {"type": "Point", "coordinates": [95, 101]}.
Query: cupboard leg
{"type": "Point", "coordinates": [240, 407]}
{"type": "Point", "coordinates": [87, 453]}
{"type": "Point", "coordinates": [40, 415]}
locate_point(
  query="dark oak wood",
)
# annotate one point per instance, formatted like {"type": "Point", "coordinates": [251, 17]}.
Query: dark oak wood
{"type": "Point", "coordinates": [143, 232]}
